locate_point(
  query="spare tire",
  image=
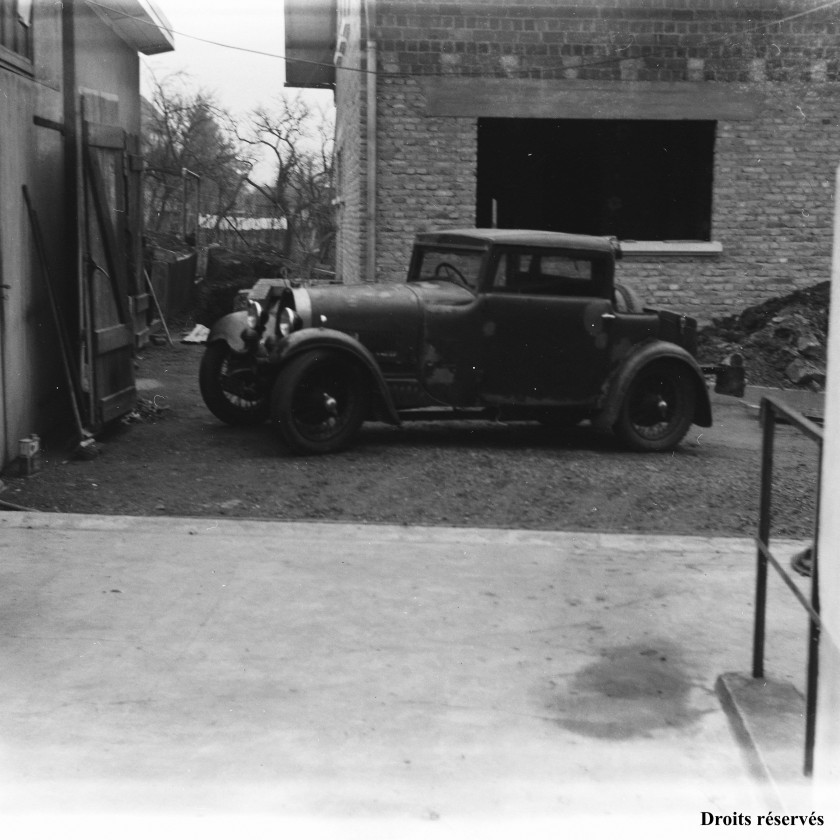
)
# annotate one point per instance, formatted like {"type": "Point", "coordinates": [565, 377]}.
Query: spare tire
{"type": "Point", "coordinates": [626, 300]}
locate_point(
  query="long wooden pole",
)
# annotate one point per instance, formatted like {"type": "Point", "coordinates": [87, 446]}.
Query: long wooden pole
{"type": "Point", "coordinates": [84, 435]}
{"type": "Point", "coordinates": [151, 289]}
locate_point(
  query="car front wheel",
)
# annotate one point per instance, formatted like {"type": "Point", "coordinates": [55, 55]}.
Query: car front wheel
{"type": "Point", "coordinates": [658, 408]}
{"type": "Point", "coordinates": [319, 402]}
{"type": "Point", "coordinates": [230, 386]}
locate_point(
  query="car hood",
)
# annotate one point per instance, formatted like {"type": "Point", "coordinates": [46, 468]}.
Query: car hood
{"type": "Point", "coordinates": [381, 307]}
{"type": "Point", "coordinates": [388, 319]}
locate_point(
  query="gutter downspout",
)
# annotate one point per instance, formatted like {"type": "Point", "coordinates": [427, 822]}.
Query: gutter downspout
{"type": "Point", "coordinates": [370, 210]}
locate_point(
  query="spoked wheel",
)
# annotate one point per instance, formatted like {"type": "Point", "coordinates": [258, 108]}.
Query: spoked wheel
{"type": "Point", "coordinates": [658, 408]}
{"type": "Point", "coordinates": [230, 386]}
{"type": "Point", "coordinates": [319, 402]}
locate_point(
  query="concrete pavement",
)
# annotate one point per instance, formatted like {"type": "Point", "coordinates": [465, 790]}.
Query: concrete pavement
{"type": "Point", "coordinates": [351, 673]}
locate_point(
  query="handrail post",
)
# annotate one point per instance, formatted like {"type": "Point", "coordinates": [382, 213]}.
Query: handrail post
{"type": "Point", "coordinates": [772, 412]}
{"type": "Point", "coordinates": [813, 641]}
{"type": "Point", "coordinates": [768, 425]}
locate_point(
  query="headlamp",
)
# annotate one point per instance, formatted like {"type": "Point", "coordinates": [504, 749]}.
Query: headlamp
{"type": "Point", "coordinates": [254, 313]}
{"type": "Point", "coordinates": [288, 321]}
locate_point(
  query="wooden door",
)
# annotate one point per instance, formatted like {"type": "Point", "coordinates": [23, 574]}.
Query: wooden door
{"type": "Point", "coordinates": [111, 268]}
{"type": "Point", "coordinates": [140, 300]}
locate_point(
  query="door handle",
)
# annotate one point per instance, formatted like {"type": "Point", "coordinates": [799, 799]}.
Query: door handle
{"type": "Point", "coordinates": [608, 316]}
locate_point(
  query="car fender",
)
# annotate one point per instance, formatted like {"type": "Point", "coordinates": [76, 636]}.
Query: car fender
{"type": "Point", "coordinates": [320, 338]}
{"type": "Point", "coordinates": [229, 329]}
{"type": "Point", "coordinates": [618, 384]}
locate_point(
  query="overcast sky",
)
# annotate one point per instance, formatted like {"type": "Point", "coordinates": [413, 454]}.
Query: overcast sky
{"type": "Point", "coordinates": [240, 80]}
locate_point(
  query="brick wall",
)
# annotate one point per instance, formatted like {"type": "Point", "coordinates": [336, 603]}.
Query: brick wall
{"type": "Point", "coordinates": [426, 173]}
{"type": "Point", "coordinates": [774, 172]}
{"type": "Point", "coordinates": [649, 40]}
{"type": "Point", "coordinates": [772, 213]}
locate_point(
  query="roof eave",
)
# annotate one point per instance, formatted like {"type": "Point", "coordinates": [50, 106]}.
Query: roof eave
{"type": "Point", "coordinates": [140, 23]}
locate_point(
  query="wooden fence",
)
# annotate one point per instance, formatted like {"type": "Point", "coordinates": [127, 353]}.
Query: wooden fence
{"type": "Point", "coordinates": [173, 282]}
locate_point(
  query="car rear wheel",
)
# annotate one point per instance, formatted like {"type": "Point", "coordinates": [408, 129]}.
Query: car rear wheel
{"type": "Point", "coordinates": [230, 386]}
{"type": "Point", "coordinates": [319, 402]}
{"type": "Point", "coordinates": [658, 408]}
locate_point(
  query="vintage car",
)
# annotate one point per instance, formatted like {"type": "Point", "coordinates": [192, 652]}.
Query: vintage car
{"type": "Point", "coordinates": [507, 324]}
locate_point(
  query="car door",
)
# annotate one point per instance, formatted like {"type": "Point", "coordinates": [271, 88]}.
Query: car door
{"type": "Point", "coordinates": [545, 328]}
{"type": "Point", "coordinates": [451, 352]}
{"type": "Point", "coordinates": [446, 279]}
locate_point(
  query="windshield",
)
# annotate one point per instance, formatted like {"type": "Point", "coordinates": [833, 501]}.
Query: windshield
{"type": "Point", "coordinates": [457, 265]}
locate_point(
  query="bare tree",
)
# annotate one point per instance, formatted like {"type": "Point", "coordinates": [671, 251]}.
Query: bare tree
{"type": "Point", "coordinates": [186, 133]}
{"type": "Point", "coordinates": [297, 141]}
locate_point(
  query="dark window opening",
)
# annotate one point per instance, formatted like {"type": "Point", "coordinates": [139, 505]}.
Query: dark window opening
{"type": "Point", "coordinates": [634, 179]}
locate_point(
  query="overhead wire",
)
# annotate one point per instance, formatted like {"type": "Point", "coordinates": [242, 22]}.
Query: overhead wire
{"type": "Point", "coordinates": [583, 65]}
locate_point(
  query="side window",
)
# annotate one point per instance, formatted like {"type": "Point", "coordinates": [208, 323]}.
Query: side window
{"type": "Point", "coordinates": [554, 274]}
{"type": "Point", "coordinates": [500, 275]}
{"type": "Point", "coordinates": [512, 271]}
{"type": "Point", "coordinates": [563, 267]}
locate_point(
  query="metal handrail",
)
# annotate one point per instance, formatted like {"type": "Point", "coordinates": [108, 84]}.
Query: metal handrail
{"type": "Point", "coordinates": [772, 410]}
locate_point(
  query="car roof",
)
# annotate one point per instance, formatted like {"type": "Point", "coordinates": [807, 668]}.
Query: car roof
{"type": "Point", "coordinates": [502, 236]}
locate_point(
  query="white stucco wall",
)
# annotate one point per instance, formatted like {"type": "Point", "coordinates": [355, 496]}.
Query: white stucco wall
{"type": "Point", "coordinates": [827, 758]}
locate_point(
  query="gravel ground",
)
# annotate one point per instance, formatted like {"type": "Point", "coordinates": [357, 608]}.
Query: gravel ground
{"type": "Point", "coordinates": [176, 459]}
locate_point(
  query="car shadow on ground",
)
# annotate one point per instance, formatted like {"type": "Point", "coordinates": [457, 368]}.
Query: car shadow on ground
{"type": "Point", "coordinates": [264, 441]}
{"type": "Point", "coordinates": [486, 435]}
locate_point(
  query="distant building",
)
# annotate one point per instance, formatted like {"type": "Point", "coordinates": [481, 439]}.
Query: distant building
{"type": "Point", "coordinates": [69, 126]}
{"type": "Point", "coordinates": [703, 133]}
{"type": "Point", "coordinates": [240, 223]}
{"type": "Point", "coordinates": [240, 232]}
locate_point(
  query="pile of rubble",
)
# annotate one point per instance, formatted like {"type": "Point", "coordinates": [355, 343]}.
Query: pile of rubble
{"type": "Point", "coordinates": [782, 340]}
